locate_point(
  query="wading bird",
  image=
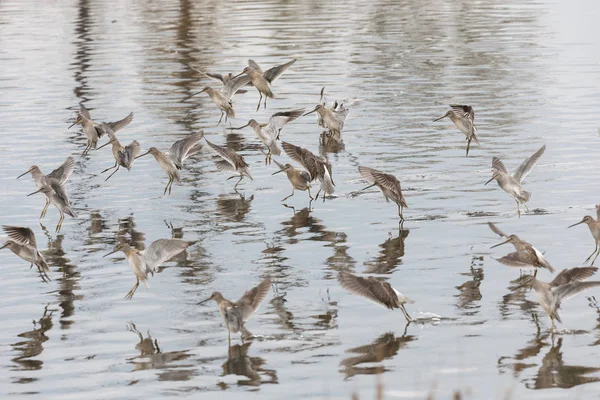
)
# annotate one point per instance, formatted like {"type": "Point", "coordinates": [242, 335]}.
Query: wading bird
{"type": "Point", "coordinates": [299, 179]}
{"type": "Point", "coordinates": [388, 184]}
{"type": "Point", "coordinates": [56, 193]}
{"type": "Point", "coordinates": [594, 226]}
{"type": "Point", "coordinates": [318, 167]}
{"type": "Point", "coordinates": [224, 79]}
{"type": "Point", "coordinates": [21, 241]}
{"type": "Point", "coordinates": [511, 183]}
{"type": "Point", "coordinates": [230, 162]}
{"type": "Point", "coordinates": [333, 117]}
{"type": "Point", "coordinates": [464, 118]}
{"type": "Point", "coordinates": [262, 80]}
{"type": "Point", "coordinates": [124, 156]}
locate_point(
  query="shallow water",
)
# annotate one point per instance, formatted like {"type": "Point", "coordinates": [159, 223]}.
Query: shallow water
{"type": "Point", "coordinates": [531, 73]}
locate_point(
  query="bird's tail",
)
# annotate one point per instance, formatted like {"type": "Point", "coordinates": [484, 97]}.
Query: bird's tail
{"type": "Point", "coordinates": [526, 196]}
{"type": "Point", "coordinates": [474, 135]}
{"type": "Point", "coordinates": [42, 264]}
{"type": "Point", "coordinates": [69, 211]}
{"type": "Point", "coordinates": [327, 185]}
{"type": "Point", "coordinates": [274, 149]}
{"type": "Point", "coordinates": [246, 333]}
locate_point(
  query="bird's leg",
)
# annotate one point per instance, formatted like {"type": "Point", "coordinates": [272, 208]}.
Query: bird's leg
{"type": "Point", "coordinates": [468, 145]}
{"type": "Point", "coordinates": [309, 194]}
{"type": "Point", "coordinates": [400, 209]}
{"type": "Point", "coordinates": [238, 182]}
{"type": "Point", "coordinates": [266, 106]}
{"type": "Point", "coordinates": [408, 318]}
{"type": "Point", "coordinates": [553, 326]}
{"type": "Point", "coordinates": [108, 169]}
{"type": "Point", "coordinates": [285, 198]}
{"type": "Point", "coordinates": [45, 208]}
{"type": "Point", "coordinates": [171, 185]}
{"type": "Point", "coordinates": [229, 337]}
{"type": "Point", "coordinates": [526, 208]}
{"type": "Point", "coordinates": [317, 196]}
{"type": "Point", "coordinates": [259, 100]}
{"type": "Point", "coordinates": [594, 260]}
{"type": "Point", "coordinates": [220, 118]}
{"type": "Point", "coordinates": [86, 150]}
{"type": "Point", "coordinates": [130, 294]}
{"type": "Point", "coordinates": [535, 273]}
{"type": "Point", "coordinates": [62, 216]}
{"type": "Point", "coordinates": [166, 187]}
{"type": "Point", "coordinates": [588, 259]}
{"type": "Point", "coordinates": [118, 166]}
{"type": "Point", "coordinates": [519, 209]}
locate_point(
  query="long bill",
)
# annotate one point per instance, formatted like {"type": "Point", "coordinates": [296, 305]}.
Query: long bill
{"type": "Point", "coordinates": [488, 181]}
{"type": "Point", "coordinates": [24, 173]}
{"type": "Point", "coordinates": [31, 194]}
{"type": "Point", "coordinates": [500, 244]}
{"type": "Point", "coordinates": [72, 125]}
{"type": "Point", "coordinates": [142, 155]}
{"type": "Point", "coordinates": [4, 245]}
{"type": "Point", "coordinates": [310, 112]}
{"type": "Point", "coordinates": [241, 127]}
{"type": "Point", "coordinates": [204, 301]}
{"type": "Point", "coordinates": [281, 170]}
{"type": "Point", "coordinates": [112, 252]}
{"type": "Point", "coordinates": [240, 74]}
{"type": "Point", "coordinates": [442, 117]}
{"type": "Point", "coordinates": [104, 145]}
{"type": "Point", "coordinates": [580, 222]}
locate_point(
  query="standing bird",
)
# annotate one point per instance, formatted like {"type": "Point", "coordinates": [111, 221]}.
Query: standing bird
{"type": "Point", "coordinates": [262, 80]}
{"type": "Point", "coordinates": [333, 117]}
{"type": "Point", "coordinates": [173, 159]}
{"type": "Point", "coordinates": [299, 179]}
{"type": "Point", "coordinates": [388, 184]}
{"type": "Point", "coordinates": [318, 167]}
{"type": "Point", "coordinates": [235, 314]}
{"type": "Point", "coordinates": [526, 257]}
{"type": "Point", "coordinates": [93, 131]}
{"type": "Point", "coordinates": [230, 162]}
{"type": "Point", "coordinates": [511, 183]}
{"type": "Point", "coordinates": [60, 174]}
{"type": "Point", "coordinates": [567, 284]}
{"type": "Point", "coordinates": [124, 156]}
{"type": "Point", "coordinates": [269, 133]}
{"type": "Point", "coordinates": [464, 118]}
{"type": "Point", "coordinates": [56, 193]}
{"type": "Point", "coordinates": [379, 292]}
{"type": "Point", "coordinates": [144, 262]}
{"type": "Point", "coordinates": [594, 226]}
{"type": "Point", "coordinates": [21, 241]}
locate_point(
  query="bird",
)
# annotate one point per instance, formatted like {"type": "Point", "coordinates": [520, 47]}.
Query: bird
{"type": "Point", "coordinates": [388, 184]}
{"type": "Point", "coordinates": [235, 314]}
{"type": "Point", "coordinates": [333, 117]}
{"type": "Point", "coordinates": [511, 183]}
{"type": "Point", "coordinates": [124, 156]}
{"type": "Point", "coordinates": [567, 284]}
{"type": "Point", "coordinates": [21, 241]}
{"type": "Point", "coordinates": [145, 262]}
{"type": "Point", "coordinates": [230, 162]}
{"type": "Point", "coordinates": [56, 193]}
{"type": "Point", "coordinates": [173, 159]}
{"type": "Point", "coordinates": [262, 80]}
{"type": "Point", "coordinates": [93, 130]}
{"type": "Point", "coordinates": [223, 98]}
{"type": "Point", "coordinates": [299, 179]}
{"type": "Point", "coordinates": [269, 133]}
{"type": "Point", "coordinates": [463, 117]}
{"type": "Point", "coordinates": [594, 226]}
{"type": "Point", "coordinates": [379, 292]}
{"type": "Point", "coordinates": [526, 255]}
{"type": "Point", "coordinates": [61, 174]}
{"type": "Point", "coordinates": [318, 167]}
{"type": "Point", "coordinates": [224, 79]}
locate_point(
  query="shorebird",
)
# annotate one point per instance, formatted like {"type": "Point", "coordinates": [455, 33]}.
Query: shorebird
{"type": "Point", "coordinates": [262, 80]}
{"type": "Point", "coordinates": [230, 162]}
{"type": "Point", "coordinates": [318, 167]}
{"type": "Point", "coordinates": [93, 131]}
{"type": "Point", "coordinates": [299, 179]}
{"type": "Point", "coordinates": [379, 292]}
{"type": "Point", "coordinates": [235, 314]}
{"type": "Point", "coordinates": [594, 226]}
{"type": "Point", "coordinates": [463, 117]}
{"type": "Point", "coordinates": [333, 117]}
{"type": "Point", "coordinates": [269, 133]}
{"type": "Point", "coordinates": [388, 184]}
{"type": "Point", "coordinates": [145, 262]}
{"type": "Point", "coordinates": [223, 98]}
{"type": "Point", "coordinates": [526, 256]}
{"type": "Point", "coordinates": [567, 284]}
{"type": "Point", "coordinates": [173, 159]}
{"type": "Point", "coordinates": [124, 156]}
{"type": "Point", "coordinates": [21, 241]}
{"type": "Point", "coordinates": [56, 193]}
{"type": "Point", "coordinates": [60, 174]}
{"type": "Point", "coordinates": [511, 183]}
{"type": "Point", "coordinates": [224, 79]}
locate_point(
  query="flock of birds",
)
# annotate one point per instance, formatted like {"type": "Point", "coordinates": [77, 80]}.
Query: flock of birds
{"type": "Point", "coordinates": [332, 117]}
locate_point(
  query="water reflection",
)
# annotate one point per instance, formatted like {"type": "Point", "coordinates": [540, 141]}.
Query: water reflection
{"type": "Point", "coordinates": [470, 294]}
{"type": "Point", "coordinates": [128, 234]}
{"type": "Point", "coordinates": [33, 346]}
{"type": "Point", "coordinates": [239, 363]}
{"type": "Point", "coordinates": [233, 208]}
{"type": "Point", "coordinates": [384, 347]}
{"type": "Point", "coordinates": [517, 296]}
{"type": "Point", "coordinates": [390, 255]}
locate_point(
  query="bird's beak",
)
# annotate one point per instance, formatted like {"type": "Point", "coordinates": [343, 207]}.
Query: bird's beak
{"type": "Point", "coordinates": [310, 112]}
{"type": "Point", "coordinates": [192, 95]}
{"type": "Point", "coordinates": [31, 194]}
{"type": "Point", "coordinates": [72, 125]}
{"type": "Point", "coordinates": [104, 145]}
{"type": "Point", "coordinates": [112, 252]}
{"type": "Point", "coordinates": [500, 244]}
{"type": "Point", "coordinates": [24, 173]}
{"type": "Point", "coordinates": [4, 245]}
{"type": "Point", "coordinates": [204, 301]}
{"type": "Point", "coordinates": [281, 170]}
{"type": "Point", "coordinates": [241, 127]}
{"type": "Point", "coordinates": [442, 117]}
{"type": "Point", "coordinates": [488, 181]}
{"type": "Point", "coordinates": [142, 155]}
{"type": "Point", "coordinates": [241, 73]}
{"type": "Point", "coordinates": [580, 222]}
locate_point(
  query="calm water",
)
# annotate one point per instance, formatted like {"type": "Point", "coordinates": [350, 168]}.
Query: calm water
{"type": "Point", "coordinates": [531, 73]}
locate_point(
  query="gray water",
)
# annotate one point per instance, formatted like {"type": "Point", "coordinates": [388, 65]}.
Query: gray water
{"type": "Point", "coordinates": [530, 70]}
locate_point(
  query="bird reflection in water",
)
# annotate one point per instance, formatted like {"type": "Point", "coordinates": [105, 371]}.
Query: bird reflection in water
{"type": "Point", "coordinates": [234, 208]}
{"type": "Point", "coordinates": [470, 294]}
{"type": "Point", "coordinates": [517, 296]}
{"type": "Point", "coordinates": [32, 346]}
{"type": "Point", "coordinates": [390, 255]}
{"type": "Point", "coordinates": [383, 348]}
{"type": "Point", "coordinates": [239, 363]}
{"type": "Point", "coordinates": [128, 234]}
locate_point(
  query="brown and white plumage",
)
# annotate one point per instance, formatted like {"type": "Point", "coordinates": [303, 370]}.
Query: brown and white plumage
{"type": "Point", "coordinates": [123, 155]}
{"type": "Point", "coordinates": [21, 241]}
{"type": "Point", "coordinates": [224, 79]}
{"type": "Point", "coordinates": [299, 179]}
{"type": "Point", "coordinates": [262, 80]}
{"type": "Point", "coordinates": [224, 98]}
{"type": "Point", "coordinates": [333, 117]}
{"type": "Point", "coordinates": [372, 289]}
{"type": "Point", "coordinates": [463, 117]}
{"type": "Point", "coordinates": [56, 193]}
{"type": "Point", "coordinates": [594, 226]}
{"type": "Point", "coordinates": [318, 167]}
{"type": "Point", "coordinates": [388, 184]}
{"type": "Point", "coordinates": [230, 161]}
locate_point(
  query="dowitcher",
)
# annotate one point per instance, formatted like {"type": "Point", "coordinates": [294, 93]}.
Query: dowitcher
{"type": "Point", "coordinates": [526, 257]}
{"type": "Point", "coordinates": [299, 179]}
{"type": "Point", "coordinates": [333, 117]}
{"type": "Point", "coordinates": [567, 284]}
{"type": "Point", "coordinates": [223, 98]}
{"type": "Point", "coordinates": [230, 162]}
{"type": "Point", "coordinates": [124, 156]}
{"type": "Point", "coordinates": [21, 241]}
{"type": "Point", "coordinates": [594, 226]}
{"type": "Point", "coordinates": [379, 292]}
{"type": "Point", "coordinates": [235, 314]}
{"type": "Point", "coordinates": [93, 131]}
{"type": "Point", "coordinates": [388, 184]}
{"type": "Point", "coordinates": [173, 159]}
{"type": "Point", "coordinates": [269, 133]}
{"type": "Point", "coordinates": [145, 262]}
{"type": "Point", "coordinates": [511, 183]}
{"type": "Point", "coordinates": [262, 80]}
{"type": "Point", "coordinates": [318, 167]}
{"type": "Point", "coordinates": [224, 79]}
{"type": "Point", "coordinates": [463, 117]}
{"type": "Point", "coordinates": [60, 174]}
{"type": "Point", "coordinates": [56, 193]}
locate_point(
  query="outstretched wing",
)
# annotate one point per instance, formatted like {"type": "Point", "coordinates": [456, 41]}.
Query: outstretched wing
{"type": "Point", "coordinates": [369, 288]}
{"type": "Point", "coordinates": [498, 166]}
{"type": "Point", "coordinates": [84, 111]}
{"type": "Point", "coordinates": [497, 231]}
{"type": "Point", "coordinates": [297, 153]}
{"type": "Point", "coordinates": [527, 165]}
{"type": "Point", "coordinates": [569, 290]}
{"type": "Point", "coordinates": [513, 260]}
{"type": "Point", "coordinates": [254, 65]}
{"type": "Point", "coordinates": [464, 111]}
{"type": "Point", "coordinates": [184, 148]}
{"type": "Point", "coordinates": [20, 235]}
{"type": "Point", "coordinates": [570, 275]}
{"type": "Point", "coordinates": [117, 125]}
{"type": "Point", "coordinates": [223, 152]}
{"type": "Point", "coordinates": [216, 77]}
{"type": "Point", "coordinates": [379, 178]}
{"type": "Point", "coordinates": [235, 84]}
{"type": "Point", "coordinates": [129, 153]}
{"type": "Point", "coordinates": [251, 300]}
{"type": "Point", "coordinates": [273, 73]}
{"type": "Point", "coordinates": [162, 250]}
{"type": "Point", "coordinates": [278, 120]}
{"type": "Point", "coordinates": [64, 172]}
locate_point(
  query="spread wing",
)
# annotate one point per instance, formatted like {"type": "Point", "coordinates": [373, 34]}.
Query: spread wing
{"type": "Point", "coordinates": [216, 77]}
{"type": "Point", "coordinates": [273, 73]}
{"type": "Point", "coordinates": [572, 289]}
{"type": "Point", "coordinates": [226, 154]}
{"type": "Point", "coordinates": [297, 153]}
{"type": "Point", "coordinates": [382, 179]}
{"type": "Point", "coordinates": [64, 172]}
{"type": "Point", "coordinates": [527, 165]}
{"type": "Point", "coordinates": [369, 288]}
{"type": "Point", "coordinates": [278, 120]}
{"type": "Point", "coordinates": [162, 250]}
{"type": "Point", "coordinates": [184, 148]}
{"type": "Point", "coordinates": [513, 260]}
{"type": "Point", "coordinates": [251, 300]}
{"type": "Point", "coordinates": [464, 111]}
{"type": "Point", "coordinates": [497, 231]}
{"type": "Point", "coordinates": [84, 111]}
{"type": "Point", "coordinates": [570, 275]}
{"type": "Point", "coordinates": [117, 125]}
{"type": "Point", "coordinates": [130, 152]}
{"type": "Point", "coordinates": [235, 84]}
{"type": "Point", "coordinates": [20, 235]}
{"type": "Point", "coordinates": [497, 165]}
{"type": "Point", "coordinates": [254, 65]}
